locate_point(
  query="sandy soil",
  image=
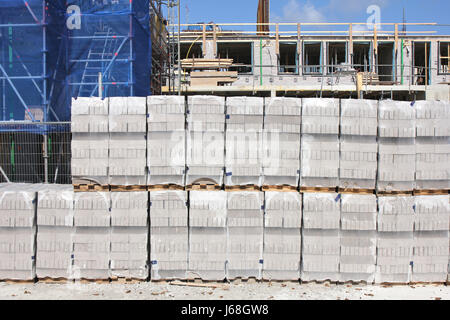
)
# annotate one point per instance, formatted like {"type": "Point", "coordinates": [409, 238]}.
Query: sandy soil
{"type": "Point", "coordinates": [245, 291]}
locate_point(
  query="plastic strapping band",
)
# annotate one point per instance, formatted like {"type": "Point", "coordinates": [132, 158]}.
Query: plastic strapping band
{"type": "Point", "coordinates": [154, 262]}
{"type": "Point", "coordinates": [229, 174]}
{"type": "Point", "coordinates": [150, 203]}
{"type": "Point", "coordinates": [227, 116]}
{"type": "Point", "coordinates": [337, 198]}
{"type": "Point", "coordinates": [261, 261]}
{"type": "Point", "coordinates": [414, 207]}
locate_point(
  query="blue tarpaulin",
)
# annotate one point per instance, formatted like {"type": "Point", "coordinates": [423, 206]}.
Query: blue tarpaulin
{"type": "Point", "coordinates": [51, 51]}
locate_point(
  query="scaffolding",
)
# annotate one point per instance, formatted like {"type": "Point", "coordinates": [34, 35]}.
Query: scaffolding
{"type": "Point", "coordinates": [109, 48]}
{"type": "Point", "coordinates": [31, 61]}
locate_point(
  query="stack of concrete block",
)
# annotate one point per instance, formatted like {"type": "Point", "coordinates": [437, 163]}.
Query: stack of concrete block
{"type": "Point", "coordinates": [320, 143]}
{"type": "Point", "coordinates": [90, 140]}
{"type": "Point", "coordinates": [320, 237]}
{"type": "Point", "coordinates": [169, 239]}
{"type": "Point", "coordinates": [395, 239]}
{"type": "Point", "coordinates": [397, 149]}
{"type": "Point", "coordinates": [166, 140]}
{"type": "Point", "coordinates": [205, 140]}
{"type": "Point", "coordinates": [129, 235]}
{"type": "Point", "coordinates": [282, 235]}
{"type": "Point", "coordinates": [358, 144]}
{"type": "Point", "coordinates": [431, 239]}
{"type": "Point", "coordinates": [245, 217]}
{"type": "Point", "coordinates": [92, 240]}
{"type": "Point", "coordinates": [54, 242]}
{"type": "Point", "coordinates": [358, 237]}
{"type": "Point", "coordinates": [127, 140]}
{"type": "Point", "coordinates": [244, 128]}
{"type": "Point", "coordinates": [17, 231]}
{"type": "Point", "coordinates": [281, 141]}
{"type": "Point", "coordinates": [207, 234]}
{"type": "Point", "coordinates": [432, 145]}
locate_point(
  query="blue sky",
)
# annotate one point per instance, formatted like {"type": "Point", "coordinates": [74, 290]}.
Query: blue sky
{"type": "Point", "coordinates": [193, 11]}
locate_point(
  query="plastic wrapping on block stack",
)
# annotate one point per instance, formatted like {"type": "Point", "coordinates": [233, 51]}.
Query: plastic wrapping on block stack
{"type": "Point", "coordinates": [431, 239]}
{"type": "Point", "coordinates": [396, 146]}
{"type": "Point", "coordinates": [54, 241]}
{"type": "Point", "coordinates": [320, 237]}
{"type": "Point", "coordinates": [320, 143]}
{"type": "Point", "coordinates": [281, 141]}
{"type": "Point", "coordinates": [395, 239]}
{"type": "Point", "coordinates": [244, 129]}
{"type": "Point", "coordinates": [90, 141]}
{"type": "Point", "coordinates": [129, 235]}
{"type": "Point", "coordinates": [127, 140]}
{"type": "Point", "coordinates": [432, 145]}
{"type": "Point", "coordinates": [92, 240]}
{"type": "Point", "coordinates": [282, 235]}
{"type": "Point", "coordinates": [245, 218]}
{"type": "Point", "coordinates": [166, 140]}
{"type": "Point", "coordinates": [207, 234]}
{"type": "Point", "coordinates": [169, 239]}
{"type": "Point", "coordinates": [205, 158]}
{"type": "Point", "coordinates": [358, 144]}
{"type": "Point", "coordinates": [358, 237]}
{"type": "Point", "coordinates": [17, 231]}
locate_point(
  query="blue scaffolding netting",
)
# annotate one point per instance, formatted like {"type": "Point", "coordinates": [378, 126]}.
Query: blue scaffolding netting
{"type": "Point", "coordinates": [51, 51]}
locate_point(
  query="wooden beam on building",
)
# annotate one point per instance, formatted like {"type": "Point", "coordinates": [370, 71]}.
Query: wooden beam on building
{"type": "Point", "coordinates": [277, 39]}
{"type": "Point", "coordinates": [215, 40]}
{"type": "Point", "coordinates": [299, 39]}
{"type": "Point", "coordinates": [350, 43]}
{"type": "Point", "coordinates": [375, 40]}
{"type": "Point", "coordinates": [204, 40]}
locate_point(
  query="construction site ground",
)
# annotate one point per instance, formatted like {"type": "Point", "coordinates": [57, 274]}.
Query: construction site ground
{"type": "Point", "coordinates": [221, 291]}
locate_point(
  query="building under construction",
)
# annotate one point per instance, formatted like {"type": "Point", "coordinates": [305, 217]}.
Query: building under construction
{"type": "Point", "coordinates": [398, 60]}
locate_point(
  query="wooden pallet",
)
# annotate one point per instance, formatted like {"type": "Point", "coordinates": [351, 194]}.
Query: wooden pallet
{"type": "Point", "coordinates": [356, 191]}
{"type": "Point", "coordinates": [123, 280]}
{"type": "Point", "coordinates": [318, 189]}
{"type": "Point", "coordinates": [431, 192]}
{"type": "Point", "coordinates": [128, 188]}
{"type": "Point", "coordinates": [55, 280]}
{"type": "Point", "coordinates": [162, 187]}
{"type": "Point", "coordinates": [243, 188]}
{"type": "Point", "coordinates": [209, 187]}
{"type": "Point", "coordinates": [13, 281]}
{"type": "Point", "coordinates": [282, 188]}
{"type": "Point", "coordinates": [90, 188]}
{"type": "Point", "coordinates": [98, 281]}
{"type": "Point", "coordinates": [394, 193]}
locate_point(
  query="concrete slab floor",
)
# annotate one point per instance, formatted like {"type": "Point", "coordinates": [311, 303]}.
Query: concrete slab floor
{"type": "Point", "coordinates": [241, 291]}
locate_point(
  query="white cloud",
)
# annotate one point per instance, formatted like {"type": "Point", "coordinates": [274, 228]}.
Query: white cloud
{"type": "Point", "coordinates": [294, 11]}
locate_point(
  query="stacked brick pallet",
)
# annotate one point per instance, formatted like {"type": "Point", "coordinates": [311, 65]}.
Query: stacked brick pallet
{"type": "Point", "coordinates": [205, 159]}
{"type": "Point", "coordinates": [396, 146]}
{"type": "Point", "coordinates": [169, 241]}
{"type": "Point", "coordinates": [127, 141]}
{"type": "Point", "coordinates": [395, 239]}
{"type": "Point", "coordinates": [166, 155]}
{"type": "Point", "coordinates": [55, 236]}
{"type": "Point", "coordinates": [245, 221]}
{"type": "Point", "coordinates": [129, 235]}
{"type": "Point", "coordinates": [282, 235]}
{"type": "Point", "coordinates": [207, 235]}
{"type": "Point", "coordinates": [244, 128]}
{"type": "Point", "coordinates": [432, 145]}
{"type": "Point", "coordinates": [321, 237]}
{"type": "Point", "coordinates": [320, 143]}
{"type": "Point", "coordinates": [281, 141]}
{"type": "Point", "coordinates": [358, 144]}
{"type": "Point", "coordinates": [17, 231]}
{"type": "Point", "coordinates": [90, 141]}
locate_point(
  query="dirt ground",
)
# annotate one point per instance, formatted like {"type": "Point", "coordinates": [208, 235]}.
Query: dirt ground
{"type": "Point", "coordinates": [244, 291]}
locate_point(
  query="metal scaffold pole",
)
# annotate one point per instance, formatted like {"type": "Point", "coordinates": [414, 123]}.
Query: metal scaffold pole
{"type": "Point", "coordinates": [179, 49]}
